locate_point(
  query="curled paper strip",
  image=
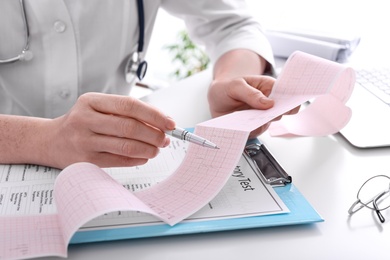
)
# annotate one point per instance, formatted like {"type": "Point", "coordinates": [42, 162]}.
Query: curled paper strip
{"type": "Point", "coordinates": [83, 191]}
{"type": "Point", "coordinates": [329, 83]}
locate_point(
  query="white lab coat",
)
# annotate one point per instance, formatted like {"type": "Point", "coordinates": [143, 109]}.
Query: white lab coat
{"type": "Point", "coordinates": [81, 46]}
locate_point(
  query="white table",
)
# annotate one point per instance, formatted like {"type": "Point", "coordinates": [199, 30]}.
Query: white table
{"type": "Point", "coordinates": [327, 170]}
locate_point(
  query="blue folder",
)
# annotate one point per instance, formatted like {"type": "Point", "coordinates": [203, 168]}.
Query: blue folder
{"type": "Point", "coordinates": [301, 212]}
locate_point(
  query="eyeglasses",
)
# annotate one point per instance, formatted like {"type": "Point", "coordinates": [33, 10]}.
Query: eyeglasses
{"type": "Point", "coordinates": [373, 194]}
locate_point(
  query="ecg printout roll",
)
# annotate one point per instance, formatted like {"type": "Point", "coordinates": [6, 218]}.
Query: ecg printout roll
{"type": "Point", "coordinates": [83, 191]}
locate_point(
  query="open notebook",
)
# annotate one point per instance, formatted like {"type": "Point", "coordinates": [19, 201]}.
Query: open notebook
{"type": "Point", "coordinates": [369, 126]}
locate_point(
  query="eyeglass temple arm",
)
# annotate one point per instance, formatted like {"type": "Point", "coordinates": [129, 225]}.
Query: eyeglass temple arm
{"type": "Point", "coordinates": [377, 210]}
{"type": "Point", "coordinates": [355, 207]}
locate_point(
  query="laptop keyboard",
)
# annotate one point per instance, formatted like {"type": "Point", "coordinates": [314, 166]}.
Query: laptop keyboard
{"type": "Point", "coordinates": [377, 81]}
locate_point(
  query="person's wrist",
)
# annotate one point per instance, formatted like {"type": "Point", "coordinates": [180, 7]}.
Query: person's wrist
{"type": "Point", "coordinates": [47, 149]}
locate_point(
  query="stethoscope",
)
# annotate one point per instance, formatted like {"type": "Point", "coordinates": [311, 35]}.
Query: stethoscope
{"type": "Point", "coordinates": [135, 66]}
{"type": "Point", "coordinates": [25, 54]}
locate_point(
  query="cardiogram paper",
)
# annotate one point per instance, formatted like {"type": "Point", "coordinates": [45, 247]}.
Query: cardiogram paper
{"type": "Point", "coordinates": [203, 172]}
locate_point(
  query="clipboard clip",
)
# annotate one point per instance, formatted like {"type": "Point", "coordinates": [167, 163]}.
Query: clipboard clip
{"type": "Point", "coordinates": [266, 165]}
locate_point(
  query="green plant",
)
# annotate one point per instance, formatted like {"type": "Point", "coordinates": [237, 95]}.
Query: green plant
{"type": "Point", "coordinates": [188, 57]}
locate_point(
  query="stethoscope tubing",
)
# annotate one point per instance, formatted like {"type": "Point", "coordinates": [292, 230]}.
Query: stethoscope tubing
{"type": "Point", "coordinates": [135, 66]}
{"type": "Point", "coordinates": [24, 53]}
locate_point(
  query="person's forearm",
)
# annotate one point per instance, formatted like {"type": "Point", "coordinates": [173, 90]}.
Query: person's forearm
{"type": "Point", "coordinates": [238, 63]}
{"type": "Point", "coordinates": [21, 139]}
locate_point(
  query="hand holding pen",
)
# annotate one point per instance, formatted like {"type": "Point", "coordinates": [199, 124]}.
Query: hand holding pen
{"type": "Point", "coordinates": [183, 134]}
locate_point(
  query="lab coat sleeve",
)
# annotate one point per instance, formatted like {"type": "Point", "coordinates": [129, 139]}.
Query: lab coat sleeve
{"type": "Point", "coordinates": [221, 26]}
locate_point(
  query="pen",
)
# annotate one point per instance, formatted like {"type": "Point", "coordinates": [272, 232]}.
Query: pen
{"type": "Point", "coordinates": [183, 134]}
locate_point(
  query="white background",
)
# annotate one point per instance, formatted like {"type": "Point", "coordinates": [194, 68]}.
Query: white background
{"type": "Point", "coordinates": [340, 17]}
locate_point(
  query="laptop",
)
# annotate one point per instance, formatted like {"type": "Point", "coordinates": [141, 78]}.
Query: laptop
{"type": "Point", "coordinates": [369, 126]}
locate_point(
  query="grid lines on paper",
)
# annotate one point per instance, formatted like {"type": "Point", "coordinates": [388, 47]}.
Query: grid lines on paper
{"type": "Point", "coordinates": [32, 236]}
{"type": "Point", "coordinates": [90, 192]}
{"type": "Point", "coordinates": [199, 178]}
{"type": "Point", "coordinates": [306, 75]}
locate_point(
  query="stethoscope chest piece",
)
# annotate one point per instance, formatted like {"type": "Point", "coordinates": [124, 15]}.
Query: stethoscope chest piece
{"type": "Point", "coordinates": [135, 68]}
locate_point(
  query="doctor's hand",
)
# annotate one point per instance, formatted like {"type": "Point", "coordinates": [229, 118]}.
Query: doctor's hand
{"type": "Point", "coordinates": [248, 92]}
{"type": "Point", "coordinates": [108, 130]}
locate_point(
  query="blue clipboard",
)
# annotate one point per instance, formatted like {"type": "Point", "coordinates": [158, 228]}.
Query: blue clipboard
{"type": "Point", "coordinates": [301, 212]}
